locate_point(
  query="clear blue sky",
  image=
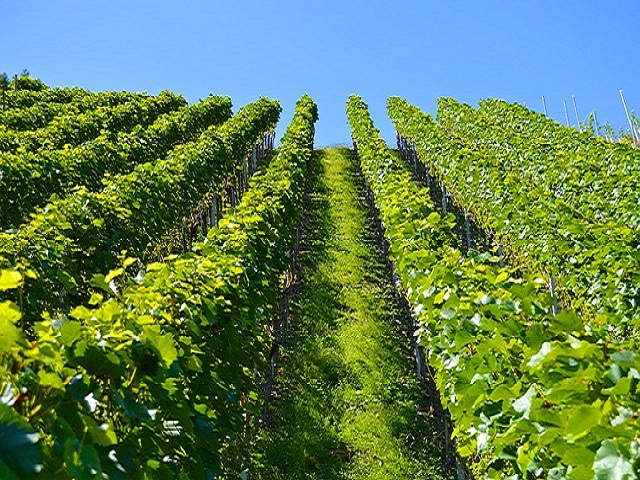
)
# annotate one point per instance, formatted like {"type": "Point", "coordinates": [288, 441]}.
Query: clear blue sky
{"type": "Point", "coordinates": [516, 50]}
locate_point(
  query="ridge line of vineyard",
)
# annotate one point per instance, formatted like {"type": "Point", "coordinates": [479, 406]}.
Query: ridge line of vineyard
{"type": "Point", "coordinates": [59, 95]}
{"type": "Point", "coordinates": [40, 114]}
{"type": "Point", "coordinates": [74, 129]}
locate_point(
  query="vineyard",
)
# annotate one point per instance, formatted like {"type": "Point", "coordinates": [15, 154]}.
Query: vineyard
{"type": "Point", "coordinates": [181, 299]}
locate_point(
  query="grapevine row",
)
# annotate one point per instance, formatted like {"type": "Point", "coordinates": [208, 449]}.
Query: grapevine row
{"type": "Point", "coordinates": [75, 129]}
{"type": "Point", "coordinates": [594, 263]}
{"type": "Point", "coordinates": [532, 394]}
{"type": "Point", "coordinates": [83, 234]}
{"type": "Point", "coordinates": [28, 98]}
{"type": "Point", "coordinates": [159, 380]}
{"type": "Point", "coordinates": [29, 179]}
{"type": "Point", "coordinates": [603, 176]}
{"type": "Point", "coordinates": [597, 178]}
{"type": "Point", "coordinates": [40, 114]}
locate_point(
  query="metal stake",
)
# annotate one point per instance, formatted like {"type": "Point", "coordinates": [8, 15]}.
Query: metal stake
{"type": "Point", "coordinates": [468, 229]}
{"type": "Point", "coordinates": [544, 107]}
{"type": "Point", "coordinates": [575, 107]}
{"type": "Point", "coordinates": [552, 289]}
{"type": "Point", "coordinates": [633, 130]}
{"type": "Point", "coordinates": [444, 199]}
{"type": "Point", "coordinates": [566, 113]}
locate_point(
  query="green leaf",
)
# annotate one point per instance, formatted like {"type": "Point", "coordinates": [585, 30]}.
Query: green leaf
{"type": "Point", "coordinates": [194, 363]}
{"type": "Point", "coordinates": [624, 357]}
{"type": "Point", "coordinates": [68, 281]}
{"type": "Point", "coordinates": [523, 404]}
{"type": "Point", "coordinates": [566, 321]}
{"type": "Point", "coordinates": [98, 281]}
{"type": "Point", "coordinates": [9, 312]}
{"type": "Point", "coordinates": [96, 361]}
{"type": "Point", "coordinates": [610, 464]}
{"type": "Point", "coordinates": [622, 387]}
{"type": "Point", "coordinates": [83, 464]}
{"type": "Point", "coordinates": [526, 458]}
{"type": "Point", "coordinates": [113, 274]}
{"type": "Point", "coordinates": [129, 261]}
{"type": "Point", "coordinates": [95, 299]}
{"type": "Point", "coordinates": [10, 279]}
{"type": "Point", "coordinates": [19, 449]}
{"type": "Point", "coordinates": [501, 393]}
{"type": "Point", "coordinates": [9, 333]}
{"type": "Point", "coordinates": [70, 332]}
{"type": "Point", "coordinates": [50, 379]}
{"type": "Point", "coordinates": [433, 218]}
{"type": "Point", "coordinates": [503, 276]}
{"type": "Point", "coordinates": [439, 298]}
{"type": "Point", "coordinates": [162, 343]}
{"type": "Point", "coordinates": [170, 385]}
{"type": "Point", "coordinates": [103, 435]}
{"type": "Point", "coordinates": [578, 455]}
{"type": "Point", "coordinates": [581, 421]}
{"type": "Point", "coordinates": [448, 313]}
{"type": "Point", "coordinates": [538, 357]}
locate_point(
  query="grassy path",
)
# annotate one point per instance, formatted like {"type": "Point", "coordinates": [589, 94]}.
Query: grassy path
{"type": "Point", "coordinates": [348, 401]}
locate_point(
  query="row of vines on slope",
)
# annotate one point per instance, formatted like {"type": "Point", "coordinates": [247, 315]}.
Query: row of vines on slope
{"type": "Point", "coordinates": [40, 114]}
{"type": "Point", "coordinates": [532, 395]}
{"type": "Point", "coordinates": [77, 239]}
{"type": "Point", "coordinates": [74, 129]}
{"type": "Point", "coordinates": [594, 262]}
{"type": "Point", "coordinates": [158, 379]}
{"type": "Point", "coordinates": [26, 98]}
{"type": "Point", "coordinates": [569, 203]}
{"type": "Point", "coordinates": [598, 179]}
{"type": "Point", "coordinates": [28, 180]}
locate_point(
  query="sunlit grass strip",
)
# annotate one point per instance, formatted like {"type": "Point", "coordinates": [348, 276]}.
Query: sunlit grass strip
{"type": "Point", "coordinates": [349, 405]}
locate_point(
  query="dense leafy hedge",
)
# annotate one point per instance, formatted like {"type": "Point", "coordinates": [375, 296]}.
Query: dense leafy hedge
{"type": "Point", "coordinates": [158, 379]}
{"type": "Point", "coordinates": [532, 395]}
{"type": "Point", "coordinates": [40, 114]}
{"type": "Point", "coordinates": [83, 234]}
{"type": "Point", "coordinates": [27, 98]}
{"type": "Point", "coordinates": [73, 129]}
{"type": "Point", "coordinates": [500, 179]}
{"type": "Point", "coordinates": [27, 180]}
{"type": "Point", "coordinates": [24, 82]}
{"type": "Point", "coordinates": [599, 178]}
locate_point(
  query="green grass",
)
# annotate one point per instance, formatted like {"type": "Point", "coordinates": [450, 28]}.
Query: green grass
{"type": "Point", "coordinates": [348, 403]}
